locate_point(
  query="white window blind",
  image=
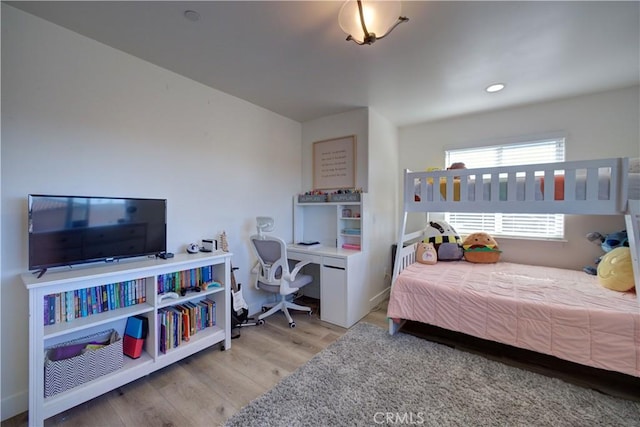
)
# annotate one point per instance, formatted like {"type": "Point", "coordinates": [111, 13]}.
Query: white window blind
{"type": "Point", "coordinates": [543, 226]}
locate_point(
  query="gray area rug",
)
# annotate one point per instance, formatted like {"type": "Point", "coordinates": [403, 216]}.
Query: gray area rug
{"type": "Point", "coordinates": [369, 378]}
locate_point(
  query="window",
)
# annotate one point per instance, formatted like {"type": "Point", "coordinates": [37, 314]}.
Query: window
{"type": "Point", "coordinates": [543, 226]}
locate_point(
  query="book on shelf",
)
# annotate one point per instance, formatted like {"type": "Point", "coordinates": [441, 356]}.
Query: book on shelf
{"type": "Point", "coordinates": [179, 323]}
{"type": "Point", "coordinates": [66, 306]}
{"type": "Point", "coordinates": [351, 246]}
{"type": "Point", "coordinates": [351, 231]}
{"type": "Point", "coordinates": [185, 279]}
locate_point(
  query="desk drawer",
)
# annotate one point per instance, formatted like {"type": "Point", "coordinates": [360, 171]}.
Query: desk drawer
{"type": "Point", "coordinates": [334, 262]}
{"type": "Point", "coordinates": [302, 256]}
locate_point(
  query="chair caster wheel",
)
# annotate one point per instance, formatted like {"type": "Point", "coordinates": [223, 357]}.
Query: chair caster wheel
{"type": "Point", "coordinates": [292, 324]}
{"type": "Point", "coordinates": [310, 313]}
{"type": "Point", "coordinates": [261, 322]}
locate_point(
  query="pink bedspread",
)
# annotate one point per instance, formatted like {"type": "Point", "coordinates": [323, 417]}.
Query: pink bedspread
{"type": "Point", "coordinates": [563, 313]}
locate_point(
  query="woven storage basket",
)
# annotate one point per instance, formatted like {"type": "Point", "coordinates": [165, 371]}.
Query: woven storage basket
{"type": "Point", "coordinates": [62, 375]}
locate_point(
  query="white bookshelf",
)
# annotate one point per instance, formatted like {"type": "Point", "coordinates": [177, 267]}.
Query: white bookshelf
{"type": "Point", "coordinates": [42, 337]}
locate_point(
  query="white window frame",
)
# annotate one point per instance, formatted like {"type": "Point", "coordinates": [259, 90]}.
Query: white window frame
{"type": "Point", "coordinates": [525, 226]}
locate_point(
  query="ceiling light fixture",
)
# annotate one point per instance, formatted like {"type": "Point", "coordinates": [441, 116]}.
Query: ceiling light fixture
{"type": "Point", "coordinates": [367, 22]}
{"type": "Point", "coordinates": [496, 87]}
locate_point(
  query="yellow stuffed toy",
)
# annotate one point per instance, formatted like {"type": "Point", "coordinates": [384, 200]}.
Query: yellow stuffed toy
{"type": "Point", "coordinates": [615, 271]}
{"type": "Point", "coordinates": [481, 248]}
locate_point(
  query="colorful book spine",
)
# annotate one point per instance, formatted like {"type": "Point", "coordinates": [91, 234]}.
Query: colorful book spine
{"type": "Point", "coordinates": [46, 309]}
{"type": "Point", "coordinates": [63, 306]}
{"type": "Point", "coordinates": [98, 302]}
{"type": "Point", "coordinates": [71, 304]}
{"type": "Point", "coordinates": [163, 331]}
{"type": "Point", "coordinates": [83, 301]}
{"type": "Point", "coordinates": [94, 300]}
{"type": "Point", "coordinates": [105, 298]}
{"type": "Point", "coordinates": [76, 302]}
{"type": "Point", "coordinates": [57, 308]}
{"type": "Point", "coordinates": [123, 301]}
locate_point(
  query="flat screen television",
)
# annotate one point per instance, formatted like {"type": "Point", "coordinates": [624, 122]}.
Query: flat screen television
{"type": "Point", "coordinates": [67, 230]}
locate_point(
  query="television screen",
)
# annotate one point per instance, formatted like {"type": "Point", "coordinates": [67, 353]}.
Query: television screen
{"type": "Point", "coordinates": [66, 230]}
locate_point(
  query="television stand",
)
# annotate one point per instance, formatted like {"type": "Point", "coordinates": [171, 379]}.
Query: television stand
{"type": "Point", "coordinates": [137, 285]}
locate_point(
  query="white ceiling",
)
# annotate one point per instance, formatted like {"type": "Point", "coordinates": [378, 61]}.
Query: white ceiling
{"type": "Point", "coordinates": [292, 58]}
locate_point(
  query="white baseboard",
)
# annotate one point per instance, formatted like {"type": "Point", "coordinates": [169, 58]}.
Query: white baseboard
{"type": "Point", "coordinates": [14, 405]}
{"type": "Point", "coordinates": [377, 299]}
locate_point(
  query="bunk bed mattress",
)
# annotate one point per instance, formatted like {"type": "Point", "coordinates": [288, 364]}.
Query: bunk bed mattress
{"type": "Point", "coordinates": [564, 313]}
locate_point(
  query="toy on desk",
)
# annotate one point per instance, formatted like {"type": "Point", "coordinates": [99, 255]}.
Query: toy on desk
{"type": "Point", "coordinates": [348, 191]}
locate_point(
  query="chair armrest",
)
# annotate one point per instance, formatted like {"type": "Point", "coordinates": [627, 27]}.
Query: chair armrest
{"type": "Point", "coordinates": [296, 270]}
{"type": "Point", "coordinates": [256, 268]}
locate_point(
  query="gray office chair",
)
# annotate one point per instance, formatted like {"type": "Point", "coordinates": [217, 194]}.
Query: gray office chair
{"type": "Point", "coordinates": [273, 274]}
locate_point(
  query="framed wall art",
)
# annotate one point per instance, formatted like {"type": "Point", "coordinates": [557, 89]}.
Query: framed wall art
{"type": "Point", "coordinates": [334, 163]}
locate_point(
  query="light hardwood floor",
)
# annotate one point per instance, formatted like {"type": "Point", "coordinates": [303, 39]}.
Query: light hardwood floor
{"type": "Point", "coordinates": [207, 388]}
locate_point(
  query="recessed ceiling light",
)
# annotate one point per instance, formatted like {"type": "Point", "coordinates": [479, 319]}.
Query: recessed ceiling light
{"type": "Point", "coordinates": [496, 87]}
{"type": "Point", "coordinates": [191, 15]}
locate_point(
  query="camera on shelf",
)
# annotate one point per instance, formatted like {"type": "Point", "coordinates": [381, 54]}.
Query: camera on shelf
{"type": "Point", "coordinates": [209, 245]}
{"type": "Point", "coordinates": [184, 291]}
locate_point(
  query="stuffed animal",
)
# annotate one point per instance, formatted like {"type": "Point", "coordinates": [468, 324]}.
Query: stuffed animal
{"type": "Point", "coordinates": [426, 253]}
{"type": "Point", "coordinates": [445, 239]}
{"type": "Point", "coordinates": [615, 271]}
{"type": "Point", "coordinates": [608, 243]}
{"type": "Point", "coordinates": [481, 248]}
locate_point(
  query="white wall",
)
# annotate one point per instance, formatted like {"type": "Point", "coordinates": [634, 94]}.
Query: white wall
{"type": "Point", "coordinates": [335, 126]}
{"type": "Point", "coordinates": [597, 126]}
{"type": "Point", "coordinates": [82, 118]}
{"type": "Point", "coordinates": [0, 259]}
{"type": "Point", "coordinates": [383, 196]}
{"type": "Point", "coordinates": [376, 173]}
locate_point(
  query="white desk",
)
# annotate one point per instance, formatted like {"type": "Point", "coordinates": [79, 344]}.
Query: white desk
{"type": "Point", "coordinates": [343, 295]}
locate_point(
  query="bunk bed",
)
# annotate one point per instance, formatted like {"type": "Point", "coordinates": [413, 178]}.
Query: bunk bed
{"type": "Point", "coordinates": [558, 312]}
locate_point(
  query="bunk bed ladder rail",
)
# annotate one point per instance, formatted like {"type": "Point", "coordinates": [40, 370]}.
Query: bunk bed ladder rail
{"type": "Point", "coordinates": [404, 257]}
{"type": "Point", "coordinates": [632, 219]}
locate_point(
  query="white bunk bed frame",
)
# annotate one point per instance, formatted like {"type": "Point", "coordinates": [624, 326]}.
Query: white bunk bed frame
{"type": "Point", "coordinates": [590, 172]}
